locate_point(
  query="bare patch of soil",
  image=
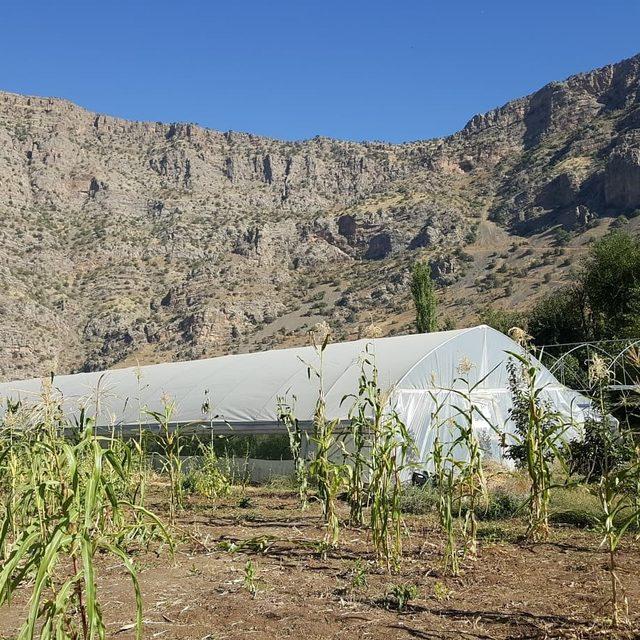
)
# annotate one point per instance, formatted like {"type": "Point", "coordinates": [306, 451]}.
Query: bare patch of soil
{"type": "Point", "coordinates": [513, 590]}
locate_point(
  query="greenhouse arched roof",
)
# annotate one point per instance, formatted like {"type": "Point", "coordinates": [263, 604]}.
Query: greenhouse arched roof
{"type": "Point", "coordinates": [242, 390]}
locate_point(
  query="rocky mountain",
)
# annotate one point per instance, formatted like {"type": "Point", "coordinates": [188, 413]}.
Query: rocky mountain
{"type": "Point", "coordinates": [126, 242]}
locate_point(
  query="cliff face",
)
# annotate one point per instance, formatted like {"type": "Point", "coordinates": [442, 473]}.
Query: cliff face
{"type": "Point", "coordinates": [125, 241]}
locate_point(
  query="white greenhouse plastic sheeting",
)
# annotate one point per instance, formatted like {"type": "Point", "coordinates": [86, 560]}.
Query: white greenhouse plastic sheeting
{"type": "Point", "coordinates": [243, 389]}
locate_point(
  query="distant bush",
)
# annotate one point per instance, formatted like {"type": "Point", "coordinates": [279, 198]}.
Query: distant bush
{"type": "Point", "coordinates": [501, 504]}
{"type": "Point", "coordinates": [262, 446]}
{"type": "Point", "coordinates": [603, 301]}
{"type": "Point", "coordinates": [620, 222]}
{"type": "Point", "coordinates": [577, 507]}
{"type": "Point", "coordinates": [418, 500]}
{"type": "Point", "coordinates": [601, 450]}
{"type": "Point", "coordinates": [562, 236]}
{"type": "Point", "coordinates": [463, 255]}
{"type": "Point", "coordinates": [501, 319]}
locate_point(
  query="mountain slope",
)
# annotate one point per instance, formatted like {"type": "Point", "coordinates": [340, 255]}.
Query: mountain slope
{"type": "Point", "coordinates": [127, 241]}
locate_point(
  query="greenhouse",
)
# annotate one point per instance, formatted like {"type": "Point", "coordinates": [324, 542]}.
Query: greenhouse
{"type": "Point", "coordinates": [423, 373]}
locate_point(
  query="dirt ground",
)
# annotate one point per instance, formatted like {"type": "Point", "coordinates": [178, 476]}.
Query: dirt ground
{"type": "Point", "coordinates": [513, 590]}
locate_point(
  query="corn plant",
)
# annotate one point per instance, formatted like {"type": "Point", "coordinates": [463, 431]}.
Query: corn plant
{"type": "Point", "coordinates": [67, 510]}
{"type": "Point", "coordinates": [381, 448]}
{"type": "Point", "coordinates": [619, 512]}
{"type": "Point", "coordinates": [447, 476]}
{"type": "Point", "coordinates": [633, 358]}
{"type": "Point", "coordinates": [139, 453]}
{"type": "Point", "coordinates": [126, 454]}
{"type": "Point", "coordinates": [286, 415]}
{"type": "Point", "coordinates": [619, 482]}
{"type": "Point", "coordinates": [445, 479]}
{"type": "Point", "coordinates": [539, 440]}
{"type": "Point", "coordinates": [470, 479]}
{"type": "Point", "coordinates": [170, 442]}
{"type": "Point", "coordinates": [360, 434]}
{"type": "Point", "coordinates": [327, 475]}
{"type": "Point", "coordinates": [12, 466]}
{"type": "Point", "coordinates": [390, 449]}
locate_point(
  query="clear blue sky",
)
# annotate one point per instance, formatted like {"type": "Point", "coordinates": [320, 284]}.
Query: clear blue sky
{"type": "Point", "coordinates": [395, 70]}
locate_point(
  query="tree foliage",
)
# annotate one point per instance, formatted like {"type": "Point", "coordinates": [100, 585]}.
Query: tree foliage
{"type": "Point", "coordinates": [501, 319]}
{"type": "Point", "coordinates": [610, 281]}
{"type": "Point", "coordinates": [424, 298]}
{"type": "Point", "coordinates": [602, 303]}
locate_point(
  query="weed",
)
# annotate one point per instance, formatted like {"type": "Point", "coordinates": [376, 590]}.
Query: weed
{"type": "Point", "coordinates": [500, 504]}
{"type": "Point", "coordinates": [441, 592]}
{"type": "Point", "coordinates": [250, 582]}
{"type": "Point", "coordinates": [358, 575]}
{"type": "Point", "coordinates": [208, 479]}
{"type": "Point", "coordinates": [493, 533]}
{"type": "Point", "coordinates": [400, 595]}
{"type": "Point", "coordinates": [245, 502]}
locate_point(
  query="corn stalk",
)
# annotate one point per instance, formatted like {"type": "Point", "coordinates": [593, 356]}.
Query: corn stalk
{"type": "Point", "coordinates": [327, 475]}
{"type": "Point", "coordinates": [286, 415]}
{"type": "Point", "coordinates": [445, 480]}
{"type": "Point", "coordinates": [540, 440]}
{"type": "Point", "coordinates": [381, 451]}
{"type": "Point", "coordinates": [170, 442]}
{"type": "Point", "coordinates": [65, 508]}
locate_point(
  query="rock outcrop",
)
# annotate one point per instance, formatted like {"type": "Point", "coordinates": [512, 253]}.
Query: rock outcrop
{"type": "Point", "coordinates": [560, 192]}
{"type": "Point", "coordinates": [622, 178]}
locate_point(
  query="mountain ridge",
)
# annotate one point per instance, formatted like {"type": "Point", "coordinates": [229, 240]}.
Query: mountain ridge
{"type": "Point", "coordinates": [131, 240]}
{"type": "Point", "coordinates": [580, 76]}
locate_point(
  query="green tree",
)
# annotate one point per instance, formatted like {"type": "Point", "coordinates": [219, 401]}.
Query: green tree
{"type": "Point", "coordinates": [560, 317]}
{"type": "Point", "coordinates": [424, 297]}
{"type": "Point", "coordinates": [603, 302]}
{"type": "Point", "coordinates": [502, 319]}
{"type": "Point", "coordinates": [611, 283]}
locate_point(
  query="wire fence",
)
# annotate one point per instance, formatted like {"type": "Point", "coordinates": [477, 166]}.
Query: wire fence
{"type": "Point", "coordinates": [573, 363]}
